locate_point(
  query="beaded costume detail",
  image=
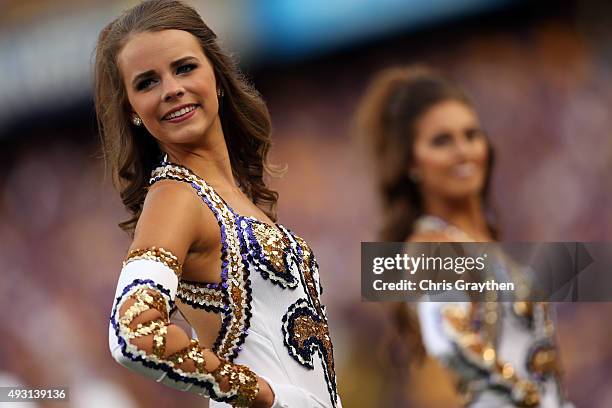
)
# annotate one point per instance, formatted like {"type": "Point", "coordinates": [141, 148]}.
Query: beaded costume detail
{"type": "Point", "coordinates": [199, 295]}
{"type": "Point", "coordinates": [305, 326]}
{"type": "Point", "coordinates": [272, 251]}
{"type": "Point", "coordinates": [279, 257]}
{"type": "Point", "coordinates": [156, 254]}
{"type": "Point", "coordinates": [148, 295]}
{"type": "Point", "coordinates": [234, 274]}
{"type": "Point", "coordinates": [474, 330]}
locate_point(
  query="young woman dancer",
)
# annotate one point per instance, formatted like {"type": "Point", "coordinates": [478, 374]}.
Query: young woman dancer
{"type": "Point", "coordinates": [434, 165]}
{"type": "Point", "coordinates": [187, 141]}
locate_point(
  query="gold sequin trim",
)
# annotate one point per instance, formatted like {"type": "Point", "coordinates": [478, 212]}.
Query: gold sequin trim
{"type": "Point", "coordinates": [309, 272]}
{"type": "Point", "coordinates": [156, 254]}
{"type": "Point", "coordinates": [273, 243]}
{"type": "Point", "coordinates": [484, 355]}
{"type": "Point", "coordinates": [544, 361]}
{"type": "Point", "coordinates": [306, 327]}
{"type": "Point", "coordinates": [158, 328]}
{"type": "Point", "coordinates": [196, 294]}
{"type": "Point", "coordinates": [145, 300]}
{"type": "Point", "coordinates": [241, 380]}
{"type": "Point", "coordinates": [192, 352]}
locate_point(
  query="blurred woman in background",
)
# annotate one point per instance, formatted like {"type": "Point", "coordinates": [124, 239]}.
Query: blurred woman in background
{"type": "Point", "coordinates": [187, 140]}
{"type": "Point", "coordinates": [433, 169]}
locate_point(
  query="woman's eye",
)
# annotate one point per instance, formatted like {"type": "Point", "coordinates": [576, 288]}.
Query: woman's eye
{"type": "Point", "coordinates": [144, 84]}
{"type": "Point", "coordinates": [185, 68]}
{"type": "Point", "coordinates": [472, 134]}
{"type": "Point", "coordinates": [441, 139]}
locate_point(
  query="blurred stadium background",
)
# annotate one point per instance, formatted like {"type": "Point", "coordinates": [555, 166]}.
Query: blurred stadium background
{"type": "Point", "coordinates": [540, 74]}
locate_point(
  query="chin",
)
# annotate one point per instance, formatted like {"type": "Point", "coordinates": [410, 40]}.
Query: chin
{"type": "Point", "coordinates": [191, 134]}
{"type": "Point", "coordinates": [459, 191]}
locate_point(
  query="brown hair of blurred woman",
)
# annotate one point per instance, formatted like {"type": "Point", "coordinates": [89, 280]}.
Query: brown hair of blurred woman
{"type": "Point", "coordinates": [132, 152]}
{"type": "Point", "coordinates": [387, 120]}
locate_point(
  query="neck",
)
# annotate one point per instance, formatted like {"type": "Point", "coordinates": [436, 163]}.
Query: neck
{"type": "Point", "coordinates": [467, 214]}
{"type": "Point", "coordinates": [209, 159]}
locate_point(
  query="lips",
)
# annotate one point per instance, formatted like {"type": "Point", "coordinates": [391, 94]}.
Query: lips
{"type": "Point", "coordinates": [464, 170]}
{"type": "Point", "coordinates": [180, 111]}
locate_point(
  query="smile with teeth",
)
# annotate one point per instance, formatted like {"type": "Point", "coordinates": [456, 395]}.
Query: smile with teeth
{"type": "Point", "coordinates": [180, 112]}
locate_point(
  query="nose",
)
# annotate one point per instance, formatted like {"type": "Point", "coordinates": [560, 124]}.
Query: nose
{"type": "Point", "coordinates": [463, 148]}
{"type": "Point", "coordinates": [172, 89]}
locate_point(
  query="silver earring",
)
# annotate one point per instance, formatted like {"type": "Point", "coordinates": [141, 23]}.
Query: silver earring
{"type": "Point", "coordinates": [220, 93]}
{"type": "Point", "coordinates": [136, 121]}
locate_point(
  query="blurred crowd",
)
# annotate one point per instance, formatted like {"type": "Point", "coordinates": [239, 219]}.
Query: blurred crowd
{"type": "Point", "coordinates": [544, 94]}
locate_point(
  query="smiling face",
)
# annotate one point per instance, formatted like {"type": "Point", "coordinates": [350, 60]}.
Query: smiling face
{"type": "Point", "coordinates": [171, 86]}
{"type": "Point", "coordinates": [450, 152]}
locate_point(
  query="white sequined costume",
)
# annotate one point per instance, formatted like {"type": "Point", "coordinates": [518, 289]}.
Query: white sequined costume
{"type": "Point", "coordinates": [504, 354]}
{"type": "Point", "coordinates": [268, 301]}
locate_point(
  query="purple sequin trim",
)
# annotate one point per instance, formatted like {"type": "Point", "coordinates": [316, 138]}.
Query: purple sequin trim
{"type": "Point", "coordinates": [228, 309]}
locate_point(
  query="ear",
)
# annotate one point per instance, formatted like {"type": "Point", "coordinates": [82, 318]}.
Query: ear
{"type": "Point", "coordinates": [127, 106]}
{"type": "Point", "coordinates": [131, 112]}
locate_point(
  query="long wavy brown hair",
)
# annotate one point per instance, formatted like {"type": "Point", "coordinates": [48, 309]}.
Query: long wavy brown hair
{"type": "Point", "coordinates": [132, 152]}
{"type": "Point", "coordinates": [386, 118]}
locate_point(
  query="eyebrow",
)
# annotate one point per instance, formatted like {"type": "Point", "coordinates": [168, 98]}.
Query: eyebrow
{"type": "Point", "coordinates": [151, 72]}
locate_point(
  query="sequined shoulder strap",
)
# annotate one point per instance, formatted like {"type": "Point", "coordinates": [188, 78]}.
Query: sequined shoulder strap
{"type": "Point", "coordinates": [180, 173]}
{"type": "Point", "coordinates": [235, 284]}
{"type": "Point", "coordinates": [432, 223]}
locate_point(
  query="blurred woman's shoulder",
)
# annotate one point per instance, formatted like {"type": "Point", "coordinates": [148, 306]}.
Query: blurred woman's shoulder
{"type": "Point", "coordinates": [430, 236]}
{"type": "Point", "coordinates": [430, 228]}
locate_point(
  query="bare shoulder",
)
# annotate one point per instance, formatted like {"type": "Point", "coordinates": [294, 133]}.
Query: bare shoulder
{"type": "Point", "coordinates": [430, 236]}
{"type": "Point", "coordinates": [169, 219]}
